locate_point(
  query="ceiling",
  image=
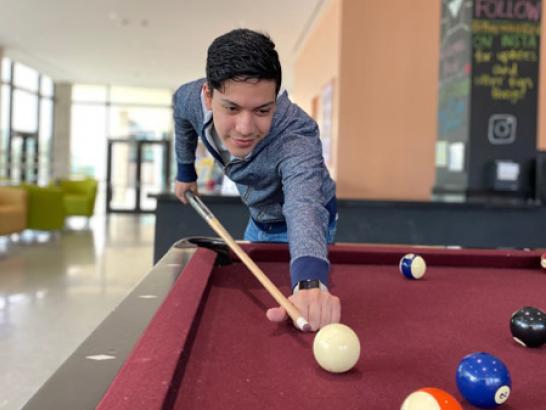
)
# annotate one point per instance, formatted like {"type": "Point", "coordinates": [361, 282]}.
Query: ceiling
{"type": "Point", "coordinates": [160, 43]}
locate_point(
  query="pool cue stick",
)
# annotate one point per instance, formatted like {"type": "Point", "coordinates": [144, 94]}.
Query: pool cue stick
{"type": "Point", "coordinates": [215, 224]}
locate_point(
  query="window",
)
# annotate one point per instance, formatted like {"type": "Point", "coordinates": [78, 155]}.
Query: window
{"type": "Point", "coordinates": [25, 77]}
{"type": "Point", "coordinates": [25, 111]}
{"type": "Point", "coordinates": [6, 70]}
{"type": "Point", "coordinates": [26, 122]}
{"type": "Point", "coordinates": [101, 112]}
{"type": "Point", "coordinates": [46, 88]}
{"type": "Point", "coordinates": [140, 96]}
{"type": "Point", "coordinates": [88, 140]}
{"type": "Point", "coordinates": [83, 93]}
{"type": "Point", "coordinates": [118, 117]}
{"type": "Point", "coordinates": [148, 123]}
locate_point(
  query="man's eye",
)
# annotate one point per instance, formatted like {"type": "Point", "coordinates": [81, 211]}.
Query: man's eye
{"type": "Point", "coordinates": [230, 109]}
{"type": "Point", "coordinates": [264, 111]}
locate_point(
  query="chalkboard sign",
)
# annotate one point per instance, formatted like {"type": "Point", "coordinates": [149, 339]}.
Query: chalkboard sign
{"type": "Point", "coordinates": [505, 58]}
{"type": "Point", "coordinates": [491, 110]}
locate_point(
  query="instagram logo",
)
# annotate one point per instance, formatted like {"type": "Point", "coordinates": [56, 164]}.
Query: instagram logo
{"type": "Point", "coordinates": [502, 129]}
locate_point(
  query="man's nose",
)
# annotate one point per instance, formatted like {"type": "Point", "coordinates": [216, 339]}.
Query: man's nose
{"type": "Point", "coordinates": [245, 124]}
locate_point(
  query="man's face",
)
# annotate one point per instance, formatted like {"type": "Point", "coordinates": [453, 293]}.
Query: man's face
{"type": "Point", "coordinates": [242, 113]}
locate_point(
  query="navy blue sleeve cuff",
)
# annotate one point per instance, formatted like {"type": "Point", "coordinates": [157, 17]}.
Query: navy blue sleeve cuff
{"type": "Point", "coordinates": [186, 173]}
{"type": "Point", "coordinates": [308, 268]}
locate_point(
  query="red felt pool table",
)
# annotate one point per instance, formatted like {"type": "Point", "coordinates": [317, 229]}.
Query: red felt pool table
{"type": "Point", "coordinates": [210, 346]}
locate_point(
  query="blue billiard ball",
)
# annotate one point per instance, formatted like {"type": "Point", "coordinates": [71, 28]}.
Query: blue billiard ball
{"type": "Point", "coordinates": [483, 380]}
{"type": "Point", "coordinates": [412, 266]}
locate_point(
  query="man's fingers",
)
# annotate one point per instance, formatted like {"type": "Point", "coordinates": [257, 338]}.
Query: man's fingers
{"type": "Point", "coordinates": [315, 313]}
{"type": "Point", "coordinates": [277, 314]}
{"type": "Point", "coordinates": [180, 194]}
{"type": "Point", "coordinates": [336, 310]}
{"type": "Point", "coordinates": [326, 314]}
{"type": "Point", "coordinates": [317, 307]}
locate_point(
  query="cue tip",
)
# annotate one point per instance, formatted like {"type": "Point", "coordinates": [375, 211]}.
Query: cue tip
{"type": "Point", "coordinates": [303, 325]}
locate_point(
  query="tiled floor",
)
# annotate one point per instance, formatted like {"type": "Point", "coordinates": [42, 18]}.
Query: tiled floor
{"type": "Point", "coordinates": [54, 290]}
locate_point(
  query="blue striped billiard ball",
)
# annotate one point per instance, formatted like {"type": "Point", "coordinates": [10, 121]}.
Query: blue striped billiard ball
{"type": "Point", "coordinates": [412, 266]}
{"type": "Point", "coordinates": [483, 380]}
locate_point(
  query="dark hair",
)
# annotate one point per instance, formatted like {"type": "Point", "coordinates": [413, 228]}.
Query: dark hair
{"type": "Point", "coordinates": [242, 55]}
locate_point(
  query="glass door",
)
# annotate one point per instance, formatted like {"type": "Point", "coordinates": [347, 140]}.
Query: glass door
{"type": "Point", "coordinates": [23, 158]}
{"type": "Point", "coordinates": [136, 169]}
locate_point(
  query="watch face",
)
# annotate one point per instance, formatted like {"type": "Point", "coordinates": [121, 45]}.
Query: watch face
{"type": "Point", "coordinates": [309, 284]}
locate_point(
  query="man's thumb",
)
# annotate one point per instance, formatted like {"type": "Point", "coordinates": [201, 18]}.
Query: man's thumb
{"type": "Point", "coordinates": [277, 314]}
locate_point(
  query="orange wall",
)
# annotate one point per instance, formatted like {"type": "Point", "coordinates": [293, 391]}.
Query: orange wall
{"type": "Point", "coordinates": [384, 60]}
{"type": "Point", "coordinates": [318, 58]}
{"type": "Point", "coordinates": [388, 99]}
{"type": "Point", "coordinates": [542, 84]}
{"type": "Point", "coordinates": [317, 65]}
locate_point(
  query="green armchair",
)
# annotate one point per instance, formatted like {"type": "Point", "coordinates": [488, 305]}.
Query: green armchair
{"type": "Point", "coordinates": [79, 196]}
{"type": "Point", "coordinates": [45, 210]}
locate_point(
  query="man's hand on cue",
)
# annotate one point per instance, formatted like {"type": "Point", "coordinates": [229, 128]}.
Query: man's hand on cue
{"type": "Point", "coordinates": [318, 307]}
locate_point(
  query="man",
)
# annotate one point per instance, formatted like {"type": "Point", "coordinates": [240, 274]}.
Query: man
{"type": "Point", "coordinates": [271, 149]}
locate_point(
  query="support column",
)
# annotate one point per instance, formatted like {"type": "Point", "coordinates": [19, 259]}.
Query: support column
{"type": "Point", "coordinates": [61, 134]}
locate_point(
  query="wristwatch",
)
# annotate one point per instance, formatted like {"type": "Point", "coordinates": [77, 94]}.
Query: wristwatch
{"type": "Point", "coordinates": [309, 284]}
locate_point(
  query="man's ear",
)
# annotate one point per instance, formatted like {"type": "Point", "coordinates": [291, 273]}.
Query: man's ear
{"type": "Point", "coordinates": [207, 92]}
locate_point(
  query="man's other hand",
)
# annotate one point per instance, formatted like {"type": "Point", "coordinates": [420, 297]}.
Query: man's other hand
{"type": "Point", "coordinates": [181, 187]}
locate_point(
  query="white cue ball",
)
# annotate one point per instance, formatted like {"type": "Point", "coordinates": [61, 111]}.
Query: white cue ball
{"type": "Point", "coordinates": [336, 348]}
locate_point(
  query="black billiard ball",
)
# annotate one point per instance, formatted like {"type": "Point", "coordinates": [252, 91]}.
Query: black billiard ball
{"type": "Point", "coordinates": [528, 326]}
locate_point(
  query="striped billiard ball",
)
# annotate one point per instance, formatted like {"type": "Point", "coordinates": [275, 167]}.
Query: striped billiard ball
{"type": "Point", "coordinates": [431, 398]}
{"type": "Point", "coordinates": [412, 266]}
